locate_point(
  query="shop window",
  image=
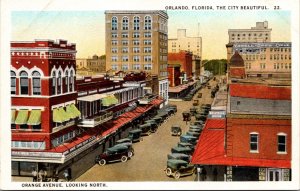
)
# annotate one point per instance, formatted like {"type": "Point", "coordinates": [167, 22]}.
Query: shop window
{"type": "Point", "coordinates": [12, 82]}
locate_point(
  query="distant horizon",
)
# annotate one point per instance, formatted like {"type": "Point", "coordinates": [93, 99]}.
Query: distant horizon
{"type": "Point", "coordinates": [87, 28]}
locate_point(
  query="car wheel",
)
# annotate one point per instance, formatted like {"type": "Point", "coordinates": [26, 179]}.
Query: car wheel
{"type": "Point", "coordinates": [168, 172]}
{"type": "Point", "coordinates": [130, 154]}
{"type": "Point", "coordinates": [124, 158]}
{"type": "Point", "coordinates": [177, 175]}
{"type": "Point", "coordinates": [179, 133]}
{"type": "Point", "coordinates": [102, 162]}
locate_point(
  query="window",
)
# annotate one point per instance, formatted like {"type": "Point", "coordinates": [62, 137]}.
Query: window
{"type": "Point", "coordinates": [147, 66]}
{"type": "Point", "coordinates": [125, 42]}
{"type": "Point", "coordinates": [114, 23]}
{"type": "Point", "coordinates": [147, 42]}
{"type": "Point", "coordinates": [12, 82]}
{"type": "Point", "coordinates": [136, 49]}
{"type": "Point", "coordinates": [71, 81]}
{"type": "Point", "coordinates": [147, 50]}
{"type": "Point", "coordinates": [125, 35]}
{"type": "Point", "coordinates": [262, 65]}
{"type": "Point", "coordinates": [136, 42]}
{"type": "Point", "coordinates": [147, 23]}
{"type": "Point", "coordinates": [253, 142]}
{"type": "Point", "coordinates": [136, 58]}
{"type": "Point", "coordinates": [281, 142]}
{"type": "Point", "coordinates": [36, 83]}
{"type": "Point", "coordinates": [147, 34]}
{"type": "Point", "coordinates": [136, 23]}
{"type": "Point", "coordinates": [114, 58]}
{"type": "Point", "coordinates": [125, 23]}
{"type": "Point", "coordinates": [125, 67]}
{"type": "Point", "coordinates": [59, 86]}
{"type": "Point", "coordinates": [114, 35]}
{"type": "Point", "coordinates": [24, 83]}
{"type": "Point", "coordinates": [67, 81]}
{"type": "Point", "coordinates": [136, 66]}
{"type": "Point", "coordinates": [114, 50]}
{"type": "Point", "coordinates": [125, 50]}
{"type": "Point", "coordinates": [147, 58]}
{"type": "Point", "coordinates": [136, 35]}
{"type": "Point", "coordinates": [114, 42]}
{"type": "Point", "coordinates": [114, 66]}
{"type": "Point", "coordinates": [53, 87]}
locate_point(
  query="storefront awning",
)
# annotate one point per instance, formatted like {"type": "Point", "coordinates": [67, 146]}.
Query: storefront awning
{"type": "Point", "coordinates": [35, 117]}
{"type": "Point", "coordinates": [72, 111]}
{"type": "Point", "coordinates": [91, 98]}
{"type": "Point", "coordinates": [110, 100]}
{"type": "Point", "coordinates": [22, 117]}
{"type": "Point", "coordinates": [13, 116]}
{"type": "Point", "coordinates": [59, 115]}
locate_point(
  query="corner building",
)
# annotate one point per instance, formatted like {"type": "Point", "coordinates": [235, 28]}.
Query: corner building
{"type": "Point", "coordinates": [138, 41]}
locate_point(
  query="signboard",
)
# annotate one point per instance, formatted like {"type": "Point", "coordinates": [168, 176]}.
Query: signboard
{"type": "Point", "coordinates": [229, 173]}
{"type": "Point", "coordinates": [217, 114]}
{"type": "Point", "coordinates": [262, 174]}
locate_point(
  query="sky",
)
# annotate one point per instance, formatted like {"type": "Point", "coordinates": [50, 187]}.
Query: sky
{"type": "Point", "coordinates": [87, 28]}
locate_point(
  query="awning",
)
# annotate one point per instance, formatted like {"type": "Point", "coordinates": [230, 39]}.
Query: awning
{"type": "Point", "coordinates": [13, 116]}
{"type": "Point", "coordinates": [22, 117]}
{"type": "Point", "coordinates": [110, 100]}
{"type": "Point", "coordinates": [72, 111]}
{"type": "Point", "coordinates": [91, 98]}
{"type": "Point", "coordinates": [34, 118]}
{"type": "Point", "coordinates": [59, 115]}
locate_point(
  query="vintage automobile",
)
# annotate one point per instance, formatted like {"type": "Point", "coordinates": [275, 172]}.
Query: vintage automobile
{"type": "Point", "coordinates": [186, 116]}
{"type": "Point", "coordinates": [188, 139]}
{"type": "Point", "coordinates": [154, 125]}
{"type": "Point", "coordinates": [193, 133]}
{"type": "Point", "coordinates": [163, 114]}
{"type": "Point", "coordinates": [197, 129]}
{"type": "Point", "coordinates": [183, 150]}
{"type": "Point", "coordinates": [178, 168]}
{"type": "Point", "coordinates": [206, 106]}
{"type": "Point", "coordinates": [195, 102]}
{"type": "Point", "coordinates": [193, 111]}
{"type": "Point", "coordinates": [199, 95]}
{"type": "Point", "coordinates": [200, 117]}
{"type": "Point", "coordinates": [203, 111]}
{"type": "Point", "coordinates": [146, 129]}
{"type": "Point", "coordinates": [189, 145]}
{"type": "Point", "coordinates": [158, 119]}
{"type": "Point", "coordinates": [174, 107]}
{"type": "Point", "coordinates": [115, 153]}
{"type": "Point", "coordinates": [126, 144]}
{"type": "Point", "coordinates": [125, 140]}
{"type": "Point", "coordinates": [176, 130]}
{"type": "Point", "coordinates": [135, 135]}
{"type": "Point", "coordinates": [179, 156]}
{"type": "Point", "coordinates": [198, 123]}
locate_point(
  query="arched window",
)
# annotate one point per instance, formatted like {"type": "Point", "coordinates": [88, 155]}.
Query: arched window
{"type": "Point", "coordinates": [53, 87]}
{"type": "Point", "coordinates": [67, 81]}
{"type": "Point", "coordinates": [114, 23]}
{"type": "Point", "coordinates": [59, 86]}
{"type": "Point", "coordinates": [24, 83]}
{"type": "Point", "coordinates": [12, 82]}
{"type": "Point", "coordinates": [148, 23]}
{"type": "Point", "coordinates": [136, 23]}
{"type": "Point", "coordinates": [36, 83]}
{"type": "Point", "coordinates": [71, 84]}
{"type": "Point", "coordinates": [125, 23]}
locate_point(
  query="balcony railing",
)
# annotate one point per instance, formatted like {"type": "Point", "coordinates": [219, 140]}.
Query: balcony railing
{"type": "Point", "coordinates": [96, 120]}
{"type": "Point", "coordinates": [63, 126]}
{"type": "Point", "coordinates": [147, 99]}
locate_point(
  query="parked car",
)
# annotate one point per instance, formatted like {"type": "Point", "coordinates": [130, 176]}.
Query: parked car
{"type": "Point", "coordinates": [115, 153]}
{"type": "Point", "coordinates": [201, 117]}
{"type": "Point", "coordinates": [193, 111]}
{"type": "Point", "coordinates": [188, 139]}
{"type": "Point", "coordinates": [178, 168]}
{"type": "Point", "coordinates": [193, 133]}
{"type": "Point", "coordinates": [174, 107]}
{"type": "Point", "coordinates": [186, 116]}
{"type": "Point", "coordinates": [126, 144]}
{"type": "Point", "coordinates": [179, 156]}
{"type": "Point", "coordinates": [154, 125]}
{"type": "Point", "coordinates": [163, 114]}
{"type": "Point", "coordinates": [158, 119]}
{"type": "Point", "coordinates": [125, 140]}
{"type": "Point", "coordinates": [135, 135]}
{"type": "Point", "coordinates": [176, 130]}
{"type": "Point", "coordinates": [189, 145]}
{"type": "Point", "coordinates": [195, 102]}
{"type": "Point", "coordinates": [197, 130]}
{"type": "Point", "coordinates": [183, 150]}
{"type": "Point", "coordinates": [146, 129]}
{"type": "Point", "coordinates": [198, 123]}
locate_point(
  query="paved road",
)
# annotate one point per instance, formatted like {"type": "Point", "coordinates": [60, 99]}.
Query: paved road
{"type": "Point", "coordinates": [150, 157]}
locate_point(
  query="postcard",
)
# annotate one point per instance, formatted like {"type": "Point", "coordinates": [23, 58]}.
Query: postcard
{"type": "Point", "coordinates": [152, 95]}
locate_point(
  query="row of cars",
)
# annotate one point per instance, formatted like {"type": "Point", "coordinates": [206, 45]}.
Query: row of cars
{"type": "Point", "coordinates": [178, 163]}
{"type": "Point", "coordinates": [123, 149]}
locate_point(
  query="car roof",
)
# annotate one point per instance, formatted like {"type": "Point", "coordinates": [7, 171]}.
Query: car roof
{"type": "Point", "coordinates": [188, 136]}
{"type": "Point", "coordinates": [182, 143]}
{"type": "Point", "coordinates": [117, 148]}
{"type": "Point", "coordinates": [177, 161]}
{"type": "Point", "coordinates": [135, 131]}
{"type": "Point", "coordinates": [123, 140]}
{"type": "Point", "coordinates": [178, 155]}
{"type": "Point", "coordinates": [181, 148]}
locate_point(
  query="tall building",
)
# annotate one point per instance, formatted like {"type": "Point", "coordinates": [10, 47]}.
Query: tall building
{"type": "Point", "coordinates": [259, 33]}
{"type": "Point", "coordinates": [137, 40]}
{"type": "Point", "coordinates": [264, 59]}
{"type": "Point", "coordinates": [187, 43]}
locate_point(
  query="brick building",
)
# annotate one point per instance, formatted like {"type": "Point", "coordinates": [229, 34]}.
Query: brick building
{"type": "Point", "coordinates": [185, 59]}
{"type": "Point", "coordinates": [174, 74]}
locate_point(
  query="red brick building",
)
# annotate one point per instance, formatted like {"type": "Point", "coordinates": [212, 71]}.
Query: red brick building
{"type": "Point", "coordinates": [185, 59]}
{"type": "Point", "coordinates": [174, 74]}
{"type": "Point", "coordinates": [236, 67]}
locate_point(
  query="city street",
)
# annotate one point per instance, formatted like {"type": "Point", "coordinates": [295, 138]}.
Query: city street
{"type": "Point", "coordinates": [150, 157]}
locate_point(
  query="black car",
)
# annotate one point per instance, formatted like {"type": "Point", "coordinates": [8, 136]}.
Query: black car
{"type": "Point", "coordinates": [115, 153]}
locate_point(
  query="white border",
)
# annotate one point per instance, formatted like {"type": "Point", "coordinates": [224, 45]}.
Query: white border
{"type": "Point", "coordinates": [94, 5]}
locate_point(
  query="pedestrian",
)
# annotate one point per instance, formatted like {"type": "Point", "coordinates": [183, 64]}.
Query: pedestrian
{"type": "Point", "coordinates": [66, 175]}
{"type": "Point", "coordinates": [41, 174]}
{"type": "Point", "coordinates": [34, 175]}
{"type": "Point", "coordinates": [203, 174]}
{"type": "Point", "coordinates": [215, 174]}
{"type": "Point", "coordinates": [45, 176]}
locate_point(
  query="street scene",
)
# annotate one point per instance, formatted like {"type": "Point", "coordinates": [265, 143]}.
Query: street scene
{"type": "Point", "coordinates": [145, 97]}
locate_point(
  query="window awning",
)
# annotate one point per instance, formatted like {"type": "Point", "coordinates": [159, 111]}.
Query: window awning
{"type": "Point", "coordinates": [13, 116]}
{"type": "Point", "coordinates": [35, 117]}
{"type": "Point", "coordinates": [110, 100]}
{"type": "Point", "coordinates": [22, 117]}
{"type": "Point", "coordinates": [91, 98]}
{"type": "Point", "coordinates": [59, 115]}
{"type": "Point", "coordinates": [72, 111]}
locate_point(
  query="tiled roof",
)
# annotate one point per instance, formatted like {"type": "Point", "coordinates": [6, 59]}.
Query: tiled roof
{"type": "Point", "coordinates": [260, 91]}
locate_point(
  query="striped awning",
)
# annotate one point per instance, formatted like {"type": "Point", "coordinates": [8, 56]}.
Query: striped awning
{"type": "Point", "coordinates": [110, 100]}
{"type": "Point", "coordinates": [35, 117]}
{"type": "Point", "coordinates": [60, 115]}
{"type": "Point", "coordinates": [22, 117]}
{"type": "Point", "coordinates": [72, 111]}
{"type": "Point", "coordinates": [13, 116]}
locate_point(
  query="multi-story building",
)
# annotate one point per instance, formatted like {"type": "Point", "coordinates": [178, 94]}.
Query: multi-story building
{"type": "Point", "coordinates": [137, 40]}
{"type": "Point", "coordinates": [259, 33]}
{"type": "Point", "coordinates": [268, 59]}
{"type": "Point", "coordinates": [185, 59]}
{"type": "Point", "coordinates": [81, 63]}
{"type": "Point", "coordinates": [190, 44]}
{"type": "Point", "coordinates": [96, 64]}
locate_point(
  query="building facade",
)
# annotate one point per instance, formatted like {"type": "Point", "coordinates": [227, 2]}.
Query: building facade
{"type": "Point", "coordinates": [97, 64]}
{"type": "Point", "coordinates": [137, 41]}
{"type": "Point", "coordinates": [259, 33]}
{"type": "Point", "coordinates": [269, 59]}
{"type": "Point", "coordinates": [185, 59]}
